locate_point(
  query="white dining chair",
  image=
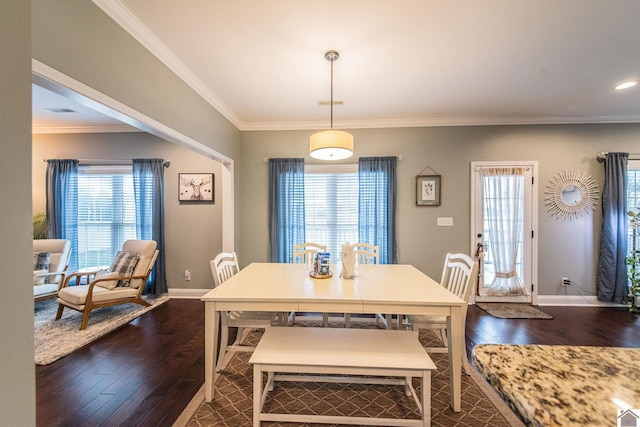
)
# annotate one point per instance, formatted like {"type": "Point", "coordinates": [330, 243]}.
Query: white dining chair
{"type": "Point", "coordinates": [366, 253]}
{"type": "Point", "coordinates": [224, 266]}
{"type": "Point", "coordinates": [458, 275]}
{"type": "Point", "coordinates": [305, 253]}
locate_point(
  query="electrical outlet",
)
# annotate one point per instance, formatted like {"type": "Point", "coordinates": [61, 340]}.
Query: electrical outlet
{"type": "Point", "coordinates": [187, 275]}
{"type": "Point", "coordinates": [565, 281]}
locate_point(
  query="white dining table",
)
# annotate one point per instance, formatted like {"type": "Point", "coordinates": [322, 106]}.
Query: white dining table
{"type": "Point", "coordinates": [375, 288]}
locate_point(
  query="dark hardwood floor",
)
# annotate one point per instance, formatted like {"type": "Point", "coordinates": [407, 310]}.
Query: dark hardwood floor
{"type": "Point", "coordinates": [145, 373]}
{"type": "Point", "coordinates": [142, 374]}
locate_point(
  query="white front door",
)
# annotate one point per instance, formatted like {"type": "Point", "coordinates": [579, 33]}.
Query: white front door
{"type": "Point", "coordinates": [504, 222]}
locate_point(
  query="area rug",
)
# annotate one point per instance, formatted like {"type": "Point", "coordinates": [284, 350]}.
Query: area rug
{"type": "Point", "coordinates": [57, 338]}
{"type": "Point", "coordinates": [549, 385]}
{"type": "Point", "coordinates": [232, 404]}
{"type": "Point", "coordinates": [513, 310]}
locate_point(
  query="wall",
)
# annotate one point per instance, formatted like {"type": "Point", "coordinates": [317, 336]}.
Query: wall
{"type": "Point", "coordinates": [193, 232]}
{"type": "Point", "coordinates": [17, 388]}
{"type": "Point", "coordinates": [566, 248]}
{"type": "Point", "coordinates": [80, 41]}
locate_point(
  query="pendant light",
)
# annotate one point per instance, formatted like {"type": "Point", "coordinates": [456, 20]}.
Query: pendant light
{"type": "Point", "coordinates": [331, 144]}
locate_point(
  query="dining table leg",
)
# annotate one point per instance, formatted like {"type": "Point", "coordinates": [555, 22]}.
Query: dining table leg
{"type": "Point", "coordinates": [456, 347]}
{"type": "Point", "coordinates": [211, 326]}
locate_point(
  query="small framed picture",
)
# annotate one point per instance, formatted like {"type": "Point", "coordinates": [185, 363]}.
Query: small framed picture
{"type": "Point", "coordinates": [196, 187]}
{"type": "Point", "coordinates": [428, 190]}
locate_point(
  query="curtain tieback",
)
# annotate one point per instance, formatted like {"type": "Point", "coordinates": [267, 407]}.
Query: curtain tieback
{"type": "Point", "coordinates": [506, 275]}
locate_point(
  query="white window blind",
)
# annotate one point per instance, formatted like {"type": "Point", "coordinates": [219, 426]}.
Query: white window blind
{"type": "Point", "coordinates": [106, 213]}
{"type": "Point", "coordinates": [331, 206]}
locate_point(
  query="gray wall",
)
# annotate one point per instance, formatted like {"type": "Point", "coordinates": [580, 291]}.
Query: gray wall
{"type": "Point", "coordinates": [193, 232]}
{"type": "Point", "coordinates": [566, 248]}
{"type": "Point", "coordinates": [17, 387]}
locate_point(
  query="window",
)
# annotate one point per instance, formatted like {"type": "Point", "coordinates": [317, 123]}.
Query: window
{"type": "Point", "coordinates": [331, 206]}
{"type": "Point", "coordinates": [106, 213]}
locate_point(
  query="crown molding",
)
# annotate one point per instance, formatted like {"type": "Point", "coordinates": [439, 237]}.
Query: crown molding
{"type": "Point", "coordinates": [441, 122]}
{"type": "Point", "coordinates": [123, 17]}
{"type": "Point", "coordinates": [132, 25]}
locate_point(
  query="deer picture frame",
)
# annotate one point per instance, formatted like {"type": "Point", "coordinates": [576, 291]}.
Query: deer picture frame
{"type": "Point", "coordinates": [196, 188]}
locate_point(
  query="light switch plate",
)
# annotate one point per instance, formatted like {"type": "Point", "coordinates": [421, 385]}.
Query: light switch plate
{"type": "Point", "coordinates": [445, 222]}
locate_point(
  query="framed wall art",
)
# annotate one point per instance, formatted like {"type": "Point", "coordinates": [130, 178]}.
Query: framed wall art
{"type": "Point", "coordinates": [428, 190]}
{"type": "Point", "coordinates": [196, 187]}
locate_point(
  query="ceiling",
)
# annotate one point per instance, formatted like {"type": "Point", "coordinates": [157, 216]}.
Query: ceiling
{"type": "Point", "coordinates": [402, 63]}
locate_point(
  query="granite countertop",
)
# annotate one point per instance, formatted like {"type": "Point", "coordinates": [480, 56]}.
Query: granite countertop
{"type": "Point", "coordinates": [550, 385]}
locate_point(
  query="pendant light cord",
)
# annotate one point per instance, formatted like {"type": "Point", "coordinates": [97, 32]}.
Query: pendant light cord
{"type": "Point", "coordinates": [332, 60]}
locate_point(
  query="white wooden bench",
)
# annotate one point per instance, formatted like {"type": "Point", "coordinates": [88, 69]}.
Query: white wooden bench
{"type": "Point", "coordinates": [341, 355]}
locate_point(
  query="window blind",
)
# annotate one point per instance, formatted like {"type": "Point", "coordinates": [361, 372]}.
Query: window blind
{"type": "Point", "coordinates": [331, 206]}
{"type": "Point", "coordinates": [106, 213]}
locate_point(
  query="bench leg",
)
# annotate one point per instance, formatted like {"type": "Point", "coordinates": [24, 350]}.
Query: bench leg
{"type": "Point", "coordinates": [257, 394]}
{"type": "Point", "coordinates": [426, 398]}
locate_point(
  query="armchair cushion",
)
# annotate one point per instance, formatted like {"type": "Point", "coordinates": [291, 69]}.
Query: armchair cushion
{"type": "Point", "coordinates": [76, 296]}
{"type": "Point", "coordinates": [109, 284]}
{"type": "Point", "coordinates": [123, 265]}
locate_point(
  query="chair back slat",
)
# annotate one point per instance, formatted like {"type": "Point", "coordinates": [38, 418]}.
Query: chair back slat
{"type": "Point", "coordinates": [366, 253]}
{"type": "Point", "coordinates": [458, 274]}
{"type": "Point", "coordinates": [223, 267]}
{"type": "Point", "coordinates": [305, 253]}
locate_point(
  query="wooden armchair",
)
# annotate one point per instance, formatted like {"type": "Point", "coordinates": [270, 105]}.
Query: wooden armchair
{"type": "Point", "coordinates": [123, 284]}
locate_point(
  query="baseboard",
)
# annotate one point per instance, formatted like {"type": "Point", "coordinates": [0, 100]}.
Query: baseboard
{"type": "Point", "coordinates": [575, 300]}
{"type": "Point", "coordinates": [187, 293]}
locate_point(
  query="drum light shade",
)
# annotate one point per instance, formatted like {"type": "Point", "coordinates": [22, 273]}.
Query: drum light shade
{"type": "Point", "coordinates": [331, 145]}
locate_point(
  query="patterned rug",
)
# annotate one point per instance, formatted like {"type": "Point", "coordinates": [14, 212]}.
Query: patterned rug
{"type": "Point", "coordinates": [232, 405]}
{"type": "Point", "coordinates": [513, 310]}
{"type": "Point", "coordinates": [57, 338]}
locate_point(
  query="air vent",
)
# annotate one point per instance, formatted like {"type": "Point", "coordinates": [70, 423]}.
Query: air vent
{"type": "Point", "coordinates": [60, 110]}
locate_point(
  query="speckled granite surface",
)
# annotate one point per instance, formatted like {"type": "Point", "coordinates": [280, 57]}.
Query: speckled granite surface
{"type": "Point", "coordinates": [563, 385]}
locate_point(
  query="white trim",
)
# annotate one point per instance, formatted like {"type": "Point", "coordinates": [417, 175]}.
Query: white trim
{"type": "Point", "coordinates": [86, 128]}
{"type": "Point", "coordinates": [187, 293]}
{"type": "Point", "coordinates": [132, 25]}
{"type": "Point", "coordinates": [60, 83]}
{"type": "Point", "coordinates": [574, 300]}
{"type": "Point", "coordinates": [529, 227]}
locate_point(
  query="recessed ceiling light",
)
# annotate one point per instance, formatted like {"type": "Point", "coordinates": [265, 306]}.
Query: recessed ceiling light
{"type": "Point", "coordinates": [626, 85]}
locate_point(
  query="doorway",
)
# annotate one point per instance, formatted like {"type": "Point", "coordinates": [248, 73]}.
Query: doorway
{"type": "Point", "coordinates": [504, 222]}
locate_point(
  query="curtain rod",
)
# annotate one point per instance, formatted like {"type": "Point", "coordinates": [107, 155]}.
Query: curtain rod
{"type": "Point", "coordinates": [603, 155]}
{"type": "Point", "coordinates": [266, 160]}
{"type": "Point", "coordinates": [114, 162]}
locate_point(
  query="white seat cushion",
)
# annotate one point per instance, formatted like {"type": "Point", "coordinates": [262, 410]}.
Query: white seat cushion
{"type": "Point", "coordinates": [77, 295]}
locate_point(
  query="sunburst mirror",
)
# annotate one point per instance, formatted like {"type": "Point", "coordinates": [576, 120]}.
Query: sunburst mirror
{"type": "Point", "coordinates": [570, 195]}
